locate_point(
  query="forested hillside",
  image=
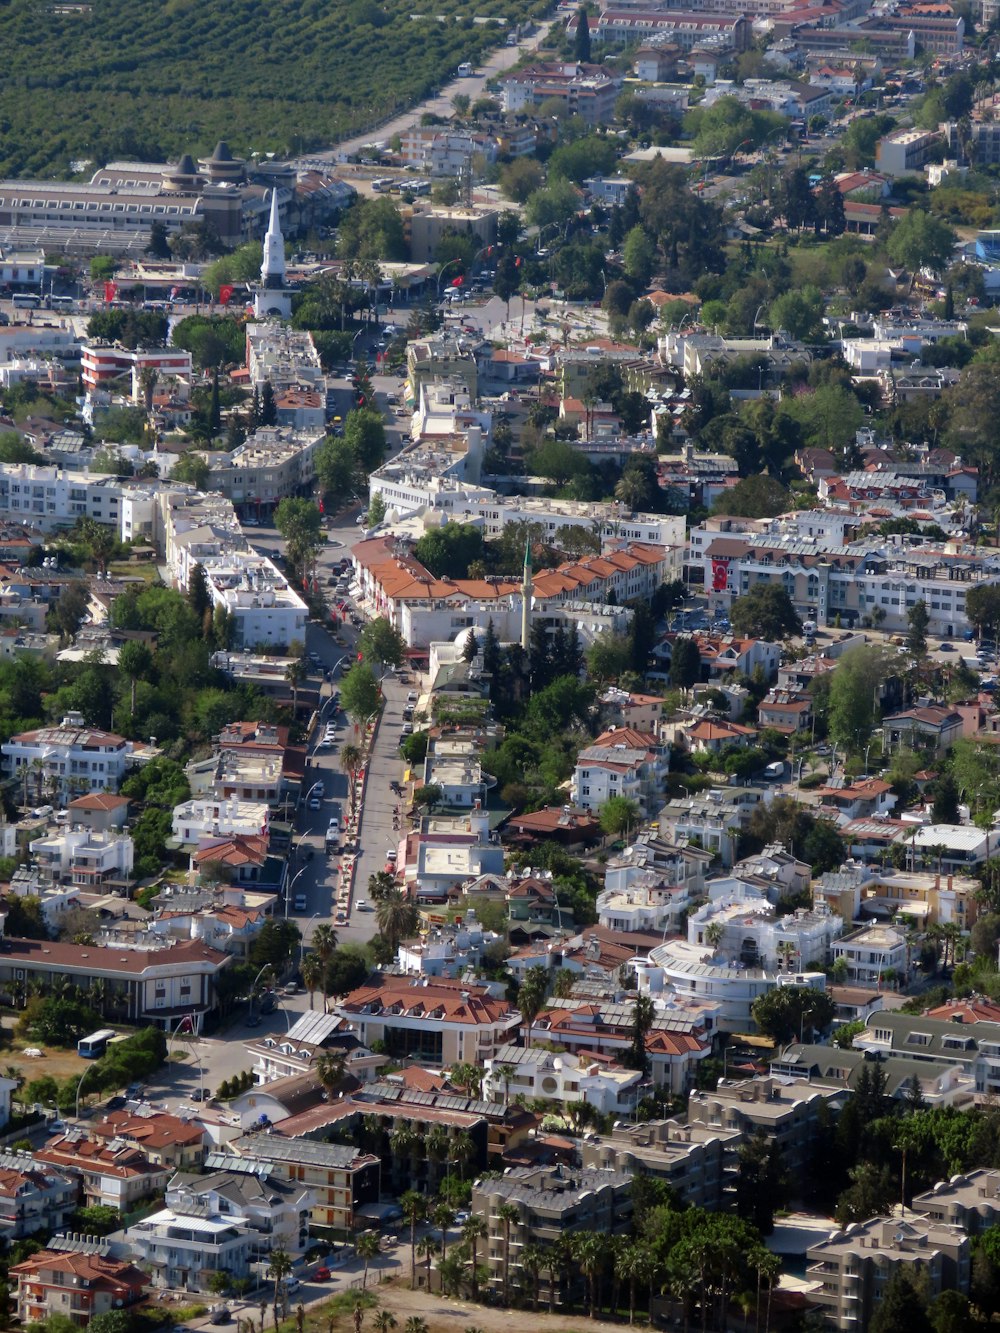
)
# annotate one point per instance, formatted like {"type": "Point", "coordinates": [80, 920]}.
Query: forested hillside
{"type": "Point", "coordinates": [153, 78]}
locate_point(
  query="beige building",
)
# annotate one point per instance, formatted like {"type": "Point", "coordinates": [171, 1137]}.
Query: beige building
{"type": "Point", "coordinates": [551, 1202]}
{"type": "Point", "coordinates": [430, 226]}
{"type": "Point", "coordinates": [852, 1268]}
{"type": "Point", "coordinates": [342, 1178]}
{"type": "Point", "coordinates": [436, 1021]}
{"type": "Point", "coordinates": [786, 1110]}
{"type": "Point", "coordinates": [692, 1159]}
{"type": "Point", "coordinates": [971, 1202]}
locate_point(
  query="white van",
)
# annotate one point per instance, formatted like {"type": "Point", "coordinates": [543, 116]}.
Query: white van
{"type": "Point", "coordinates": [464, 70]}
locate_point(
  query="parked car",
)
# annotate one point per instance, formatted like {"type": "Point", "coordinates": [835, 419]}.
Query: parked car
{"type": "Point", "coordinates": [322, 1274]}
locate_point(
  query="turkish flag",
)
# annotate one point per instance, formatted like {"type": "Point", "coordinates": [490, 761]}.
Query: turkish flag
{"type": "Point", "coordinates": [225, 294]}
{"type": "Point", "coordinates": [110, 291]}
{"type": "Point", "coordinates": [457, 282]}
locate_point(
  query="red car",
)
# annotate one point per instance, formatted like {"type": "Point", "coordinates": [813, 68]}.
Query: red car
{"type": "Point", "coordinates": [322, 1274]}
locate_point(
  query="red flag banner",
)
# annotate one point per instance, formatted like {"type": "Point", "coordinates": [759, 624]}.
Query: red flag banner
{"type": "Point", "coordinates": [457, 282]}
{"type": "Point", "coordinates": [225, 294]}
{"type": "Point", "coordinates": [110, 291]}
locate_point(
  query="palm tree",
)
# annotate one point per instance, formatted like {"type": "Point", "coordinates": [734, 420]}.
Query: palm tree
{"type": "Point", "coordinates": [532, 1260]}
{"type": "Point", "coordinates": [351, 759]}
{"type": "Point", "coordinates": [427, 1248]}
{"type": "Point", "coordinates": [504, 1073]}
{"type": "Point", "coordinates": [415, 1325]}
{"type": "Point", "coordinates": [436, 1145]}
{"type": "Point", "coordinates": [507, 1213]}
{"type": "Point", "coordinates": [443, 1218]}
{"type": "Point", "coordinates": [396, 917]}
{"type": "Point", "coordinates": [588, 1251]}
{"type": "Point", "coordinates": [324, 942]}
{"type": "Point", "coordinates": [329, 1069]}
{"type": "Point", "coordinates": [530, 998]}
{"type": "Point", "coordinates": [366, 1248]}
{"type": "Point", "coordinates": [414, 1208]}
{"type": "Point", "coordinates": [473, 1231]}
{"type": "Point", "coordinates": [462, 1151]}
{"type": "Point", "coordinates": [628, 1267]}
{"type": "Point", "coordinates": [279, 1266]}
{"type": "Point", "coordinates": [295, 674]}
{"type": "Point", "coordinates": [713, 934]}
{"type": "Point", "coordinates": [312, 975]}
{"type": "Point", "coordinates": [384, 1321]}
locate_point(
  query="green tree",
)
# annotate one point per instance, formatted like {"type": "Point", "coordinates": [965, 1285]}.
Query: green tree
{"type": "Point", "coordinates": [581, 46]}
{"type": "Point", "coordinates": [553, 203]}
{"type": "Point", "coordinates": [799, 312]}
{"type": "Point", "coordinates": [982, 607]}
{"type": "Point", "coordinates": [448, 551]}
{"type": "Point", "coordinates": [918, 618]}
{"type": "Point", "coordinates": [903, 1304]}
{"type": "Point", "coordinates": [193, 469]}
{"type": "Point", "coordinates": [301, 524]}
{"type": "Point", "coordinates": [785, 1012]}
{"type": "Point", "coordinates": [521, 178]}
{"type": "Point", "coordinates": [829, 417]}
{"type": "Point", "coordinates": [685, 663]}
{"type": "Point", "coordinates": [855, 688]}
{"type": "Point", "coordinates": [359, 692]}
{"type": "Point", "coordinates": [759, 496]}
{"type": "Point", "coordinates": [920, 240]}
{"type": "Point", "coordinates": [760, 1181]}
{"type": "Point", "coordinates": [381, 645]}
{"type": "Point", "coordinates": [618, 814]}
{"type": "Point", "coordinates": [364, 433]}
{"type": "Point", "coordinates": [638, 256]}
{"type": "Point", "coordinates": [765, 612]}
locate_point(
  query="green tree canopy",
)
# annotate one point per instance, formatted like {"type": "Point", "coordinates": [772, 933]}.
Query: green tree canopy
{"type": "Point", "coordinates": [765, 612]}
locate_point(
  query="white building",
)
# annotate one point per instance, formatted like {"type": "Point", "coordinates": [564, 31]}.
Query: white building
{"type": "Point", "coordinates": [275, 462]}
{"type": "Point", "coordinates": [69, 759]}
{"type": "Point", "coordinates": [50, 497]}
{"type": "Point", "coordinates": [185, 1245]}
{"type": "Point", "coordinates": [651, 885]}
{"type": "Point", "coordinates": [105, 364]}
{"type": "Point", "coordinates": [570, 1077]}
{"type": "Point", "coordinates": [228, 818]}
{"type": "Point", "coordinates": [81, 856]}
{"type": "Point", "coordinates": [739, 923]}
{"type": "Point", "coordinates": [252, 1195]}
{"type": "Point", "coordinates": [446, 950]}
{"type": "Point", "coordinates": [621, 762]}
{"type": "Point", "coordinates": [282, 357]}
{"type": "Point", "coordinates": [871, 953]}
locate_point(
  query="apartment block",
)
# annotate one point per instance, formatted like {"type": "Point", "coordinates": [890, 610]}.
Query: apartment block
{"type": "Point", "coordinates": [852, 1268]}
{"type": "Point", "coordinates": [787, 1110]}
{"type": "Point", "coordinates": [67, 759]}
{"type": "Point", "coordinates": [33, 1197]}
{"type": "Point", "coordinates": [970, 1202]}
{"type": "Point", "coordinates": [341, 1178]}
{"type": "Point", "coordinates": [101, 862]}
{"type": "Point", "coordinates": [551, 1202]}
{"type": "Point", "coordinates": [697, 1161]}
{"type": "Point", "coordinates": [253, 1196]}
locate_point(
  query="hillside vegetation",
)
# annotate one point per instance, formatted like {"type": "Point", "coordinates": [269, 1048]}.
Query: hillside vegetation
{"type": "Point", "coordinates": [150, 79]}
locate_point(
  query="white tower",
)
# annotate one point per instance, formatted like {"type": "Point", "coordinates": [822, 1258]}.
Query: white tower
{"type": "Point", "coordinates": [272, 298]}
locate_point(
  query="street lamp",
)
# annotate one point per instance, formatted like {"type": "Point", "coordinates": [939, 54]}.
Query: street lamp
{"type": "Point", "coordinates": [88, 1070]}
{"type": "Point", "coordinates": [253, 985]}
{"type": "Point", "coordinates": [303, 941]}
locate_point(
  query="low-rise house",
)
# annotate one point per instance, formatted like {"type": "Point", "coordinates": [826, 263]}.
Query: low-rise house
{"type": "Point", "coordinates": [33, 1196]}
{"type": "Point", "coordinates": [343, 1179]}
{"type": "Point", "coordinates": [251, 1196]}
{"type": "Point", "coordinates": [739, 922]}
{"type": "Point", "coordinates": [651, 885]}
{"type": "Point", "coordinates": [278, 1100]}
{"type": "Point", "coordinates": [569, 827]}
{"type": "Point", "coordinates": [75, 1285]}
{"type": "Point", "coordinates": [626, 708]}
{"type": "Point", "coordinates": [852, 1268]}
{"type": "Point", "coordinates": [69, 758]}
{"type": "Point", "coordinates": [712, 735]}
{"type": "Point", "coordinates": [164, 1140]}
{"type": "Point", "coordinates": [711, 819]}
{"type": "Point", "coordinates": [101, 862]}
{"type": "Point", "coordinates": [100, 811]}
{"type": "Point", "coordinates": [540, 1074]}
{"type": "Point", "coordinates": [282, 1056]}
{"type": "Point", "coordinates": [946, 848]}
{"type": "Point", "coordinates": [115, 1174]}
{"type": "Point", "coordinates": [620, 762]}
{"type": "Point", "coordinates": [448, 949]}
{"type": "Point", "coordinates": [866, 798]}
{"type": "Point", "coordinates": [551, 1202]}
{"type": "Point", "coordinates": [930, 727]}
{"type": "Point", "coordinates": [230, 818]}
{"type": "Point", "coordinates": [940, 1082]}
{"type": "Point", "coordinates": [858, 890]}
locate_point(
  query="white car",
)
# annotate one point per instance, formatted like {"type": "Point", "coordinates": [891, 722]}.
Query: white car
{"type": "Point", "coordinates": [315, 802]}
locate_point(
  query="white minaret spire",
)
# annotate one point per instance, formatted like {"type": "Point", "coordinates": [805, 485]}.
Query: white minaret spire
{"type": "Point", "coordinates": [272, 269]}
{"type": "Point", "coordinates": [526, 587]}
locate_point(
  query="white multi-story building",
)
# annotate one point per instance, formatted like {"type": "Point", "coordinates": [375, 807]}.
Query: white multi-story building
{"type": "Point", "coordinates": [81, 856]}
{"type": "Point", "coordinates": [253, 1196]}
{"type": "Point", "coordinates": [50, 497]}
{"type": "Point", "coordinates": [621, 762]}
{"type": "Point", "coordinates": [275, 462]}
{"type": "Point", "coordinates": [283, 357]}
{"type": "Point", "coordinates": [651, 885]}
{"type": "Point", "coordinates": [220, 818]}
{"type": "Point", "coordinates": [577, 1077]}
{"type": "Point", "coordinates": [185, 1245]}
{"type": "Point", "coordinates": [872, 952]}
{"type": "Point", "coordinates": [104, 364]}
{"type": "Point", "coordinates": [69, 759]}
{"type": "Point", "coordinates": [738, 922]}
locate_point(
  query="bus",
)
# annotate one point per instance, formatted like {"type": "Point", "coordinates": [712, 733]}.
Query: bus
{"type": "Point", "coordinates": [94, 1046]}
{"type": "Point", "coordinates": [62, 302]}
{"type": "Point", "coordinates": [26, 300]}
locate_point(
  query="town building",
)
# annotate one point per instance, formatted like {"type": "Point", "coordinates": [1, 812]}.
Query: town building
{"type": "Point", "coordinates": [342, 1179]}
{"type": "Point", "coordinates": [34, 1197]}
{"type": "Point", "coordinates": [438, 1022]}
{"type": "Point", "coordinates": [620, 762]}
{"type": "Point", "coordinates": [852, 1268]}
{"type": "Point", "coordinates": [969, 1202]}
{"type": "Point", "coordinates": [165, 1140]}
{"type": "Point", "coordinates": [183, 1246]}
{"type": "Point", "coordinates": [68, 758]}
{"type": "Point", "coordinates": [695, 1160]}
{"type": "Point", "coordinates": [76, 1285]}
{"type": "Point", "coordinates": [874, 954]}
{"type": "Point", "coordinates": [588, 91]}
{"type": "Point", "coordinates": [538, 1074]}
{"type": "Point", "coordinates": [651, 885]}
{"type": "Point", "coordinates": [116, 1175]}
{"type": "Point", "coordinates": [101, 862]}
{"type": "Point", "coordinates": [787, 1110]}
{"type": "Point", "coordinates": [551, 1202]}
{"type": "Point", "coordinates": [252, 1196]}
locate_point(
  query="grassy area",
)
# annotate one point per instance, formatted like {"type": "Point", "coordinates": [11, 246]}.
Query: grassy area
{"type": "Point", "coordinates": [134, 569]}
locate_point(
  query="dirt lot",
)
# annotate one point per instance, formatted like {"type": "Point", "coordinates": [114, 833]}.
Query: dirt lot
{"type": "Point", "coordinates": [453, 1316]}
